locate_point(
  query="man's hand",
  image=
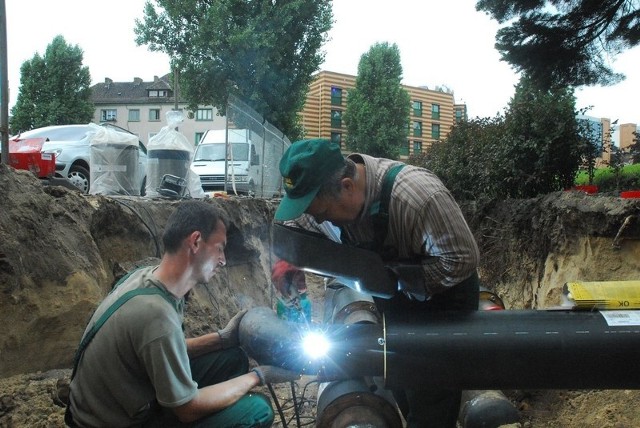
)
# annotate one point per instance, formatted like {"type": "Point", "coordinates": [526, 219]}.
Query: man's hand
{"type": "Point", "coordinates": [229, 334]}
{"type": "Point", "coordinates": [272, 374]}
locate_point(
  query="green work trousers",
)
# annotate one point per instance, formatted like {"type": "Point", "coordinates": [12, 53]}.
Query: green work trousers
{"type": "Point", "coordinates": [252, 410]}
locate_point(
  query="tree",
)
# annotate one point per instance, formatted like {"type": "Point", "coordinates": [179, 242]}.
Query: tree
{"type": "Point", "coordinates": [534, 149]}
{"type": "Point", "coordinates": [634, 149]}
{"type": "Point", "coordinates": [546, 150]}
{"type": "Point", "coordinates": [54, 89]}
{"type": "Point", "coordinates": [264, 52]}
{"type": "Point", "coordinates": [377, 113]}
{"type": "Point", "coordinates": [592, 140]}
{"type": "Point", "coordinates": [565, 42]}
{"type": "Point", "coordinates": [466, 161]}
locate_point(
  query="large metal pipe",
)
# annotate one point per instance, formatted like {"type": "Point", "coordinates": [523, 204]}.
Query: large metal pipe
{"type": "Point", "coordinates": [511, 349]}
{"type": "Point", "coordinates": [357, 402]}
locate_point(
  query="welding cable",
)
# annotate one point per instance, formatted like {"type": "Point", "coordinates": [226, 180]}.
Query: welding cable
{"type": "Point", "coordinates": [275, 399]}
{"type": "Point", "coordinates": [295, 404]}
{"type": "Point", "coordinates": [154, 235]}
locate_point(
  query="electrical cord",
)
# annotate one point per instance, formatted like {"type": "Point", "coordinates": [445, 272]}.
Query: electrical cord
{"type": "Point", "coordinates": [275, 399]}
{"type": "Point", "coordinates": [295, 404]}
{"type": "Point", "coordinates": [154, 234]}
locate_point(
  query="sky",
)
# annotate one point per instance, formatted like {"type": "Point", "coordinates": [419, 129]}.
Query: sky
{"type": "Point", "coordinates": [441, 43]}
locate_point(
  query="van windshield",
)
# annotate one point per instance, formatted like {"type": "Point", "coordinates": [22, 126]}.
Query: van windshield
{"type": "Point", "coordinates": [215, 152]}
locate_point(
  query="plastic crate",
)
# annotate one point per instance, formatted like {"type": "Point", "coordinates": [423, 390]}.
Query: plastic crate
{"type": "Point", "coordinates": [42, 165]}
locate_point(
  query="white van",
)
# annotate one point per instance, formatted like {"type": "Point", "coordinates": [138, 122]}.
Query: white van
{"type": "Point", "coordinates": [244, 172]}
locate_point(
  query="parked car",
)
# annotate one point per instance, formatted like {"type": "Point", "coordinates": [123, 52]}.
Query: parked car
{"type": "Point", "coordinates": [71, 146]}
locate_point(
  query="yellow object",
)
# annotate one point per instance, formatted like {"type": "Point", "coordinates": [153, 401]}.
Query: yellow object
{"type": "Point", "coordinates": [604, 294]}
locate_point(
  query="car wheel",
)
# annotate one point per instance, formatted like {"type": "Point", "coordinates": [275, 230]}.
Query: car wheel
{"type": "Point", "coordinates": [79, 177]}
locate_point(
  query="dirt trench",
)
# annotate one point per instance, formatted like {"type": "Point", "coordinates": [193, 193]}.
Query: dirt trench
{"type": "Point", "coordinates": [60, 252]}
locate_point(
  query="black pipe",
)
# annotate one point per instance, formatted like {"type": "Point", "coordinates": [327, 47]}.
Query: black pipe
{"type": "Point", "coordinates": [483, 409]}
{"type": "Point", "coordinates": [513, 349]}
{"type": "Point", "coordinates": [478, 350]}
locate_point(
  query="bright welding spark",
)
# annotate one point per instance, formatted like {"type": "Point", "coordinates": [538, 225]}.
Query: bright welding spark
{"type": "Point", "coordinates": [315, 345]}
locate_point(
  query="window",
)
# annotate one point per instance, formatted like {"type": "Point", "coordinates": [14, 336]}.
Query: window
{"type": "Point", "coordinates": [435, 111]}
{"type": "Point", "coordinates": [198, 137]}
{"type": "Point", "coordinates": [336, 137]}
{"type": "Point", "coordinates": [417, 128]}
{"type": "Point", "coordinates": [336, 96]}
{"type": "Point", "coordinates": [204, 114]}
{"type": "Point", "coordinates": [417, 108]}
{"type": "Point", "coordinates": [134, 115]}
{"type": "Point", "coordinates": [417, 147]}
{"type": "Point", "coordinates": [336, 119]}
{"type": "Point", "coordinates": [154, 114]}
{"type": "Point", "coordinates": [435, 131]}
{"type": "Point", "coordinates": [153, 93]}
{"type": "Point", "coordinates": [404, 149]}
{"type": "Point", "coordinates": [108, 115]}
{"type": "Point", "coordinates": [458, 116]}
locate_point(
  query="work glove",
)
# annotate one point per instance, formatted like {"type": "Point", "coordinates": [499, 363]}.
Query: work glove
{"type": "Point", "coordinates": [229, 334]}
{"type": "Point", "coordinates": [273, 374]}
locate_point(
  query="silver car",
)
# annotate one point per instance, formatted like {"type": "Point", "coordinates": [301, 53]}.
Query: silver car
{"type": "Point", "coordinates": [71, 145]}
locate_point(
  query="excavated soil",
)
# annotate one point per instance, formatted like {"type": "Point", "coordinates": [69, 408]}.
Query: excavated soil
{"type": "Point", "coordinates": [60, 252]}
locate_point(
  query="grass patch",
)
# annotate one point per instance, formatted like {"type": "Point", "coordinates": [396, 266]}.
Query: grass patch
{"type": "Point", "coordinates": [608, 181]}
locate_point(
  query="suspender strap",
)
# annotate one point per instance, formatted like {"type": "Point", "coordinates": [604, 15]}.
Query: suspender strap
{"type": "Point", "coordinates": [107, 314]}
{"type": "Point", "coordinates": [380, 210]}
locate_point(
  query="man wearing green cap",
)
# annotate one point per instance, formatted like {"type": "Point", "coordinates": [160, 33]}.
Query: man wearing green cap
{"type": "Point", "coordinates": [404, 213]}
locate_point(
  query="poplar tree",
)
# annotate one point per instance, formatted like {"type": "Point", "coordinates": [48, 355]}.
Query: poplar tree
{"type": "Point", "coordinates": [377, 113]}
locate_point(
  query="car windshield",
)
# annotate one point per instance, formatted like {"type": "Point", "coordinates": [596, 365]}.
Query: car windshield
{"type": "Point", "coordinates": [215, 152]}
{"type": "Point", "coordinates": [56, 134]}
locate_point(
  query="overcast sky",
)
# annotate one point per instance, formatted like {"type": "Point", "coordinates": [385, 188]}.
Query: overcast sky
{"type": "Point", "coordinates": [441, 43]}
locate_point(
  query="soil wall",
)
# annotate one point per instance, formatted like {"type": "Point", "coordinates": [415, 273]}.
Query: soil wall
{"type": "Point", "coordinates": [61, 251]}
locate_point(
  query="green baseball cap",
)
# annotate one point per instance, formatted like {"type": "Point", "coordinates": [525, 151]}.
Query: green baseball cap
{"type": "Point", "coordinates": [305, 167]}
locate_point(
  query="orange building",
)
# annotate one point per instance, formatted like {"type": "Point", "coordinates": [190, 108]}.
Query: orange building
{"type": "Point", "coordinates": [432, 113]}
{"type": "Point", "coordinates": [627, 135]}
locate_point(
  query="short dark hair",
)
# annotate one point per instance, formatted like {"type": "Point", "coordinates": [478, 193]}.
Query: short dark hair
{"type": "Point", "coordinates": [189, 216]}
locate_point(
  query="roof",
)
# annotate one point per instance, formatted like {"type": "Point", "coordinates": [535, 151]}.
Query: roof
{"type": "Point", "coordinates": [134, 92]}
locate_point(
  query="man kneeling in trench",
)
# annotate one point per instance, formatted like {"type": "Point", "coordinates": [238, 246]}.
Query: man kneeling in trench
{"type": "Point", "coordinates": [140, 370]}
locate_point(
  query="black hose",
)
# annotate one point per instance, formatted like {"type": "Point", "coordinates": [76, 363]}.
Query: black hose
{"type": "Point", "coordinates": [295, 403]}
{"type": "Point", "coordinates": [275, 399]}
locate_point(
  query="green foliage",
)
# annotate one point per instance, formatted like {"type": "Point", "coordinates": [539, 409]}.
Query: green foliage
{"type": "Point", "coordinates": [634, 149]}
{"type": "Point", "coordinates": [465, 160]}
{"type": "Point", "coordinates": [377, 114]}
{"type": "Point", "coordinates": [54, 89]}
{"type": "Point", "coordinates": [265, 52]}
{"type": "Point", "coordinates": [532, 150]}
{"type": "Point", "coordinates": [565, 42]}
{"type": "Point", "coordinates": [546, 151]}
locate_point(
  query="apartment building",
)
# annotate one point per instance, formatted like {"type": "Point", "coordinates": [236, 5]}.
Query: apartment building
{"type": "Point", "coordinates": [627, 135]}
{"type": "Point", "coordinates": [141, 108]}
{"type": "Point", "coordinates": [432, 112]}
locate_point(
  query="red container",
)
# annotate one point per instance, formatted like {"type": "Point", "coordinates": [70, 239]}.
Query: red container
{"type": "Point", "coordinates": [42, 165]}
{"type": "Point", "coordinates": [26, 154]}
{"type": "Point", "coordinates": [629, 194]}
{"type": "Point", "coordinates": [587, 188]}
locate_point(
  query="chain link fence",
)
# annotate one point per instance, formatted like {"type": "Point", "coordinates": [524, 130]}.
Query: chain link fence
{"type": "Point", "coordinates": [254, 148]}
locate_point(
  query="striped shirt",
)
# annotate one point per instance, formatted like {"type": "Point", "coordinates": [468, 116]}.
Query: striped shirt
{"type": "Point", "coordinates": [425, 223]}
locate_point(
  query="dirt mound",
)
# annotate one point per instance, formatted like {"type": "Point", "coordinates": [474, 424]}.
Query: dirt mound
{"type": "Point", "coordinates": [60, 252]}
